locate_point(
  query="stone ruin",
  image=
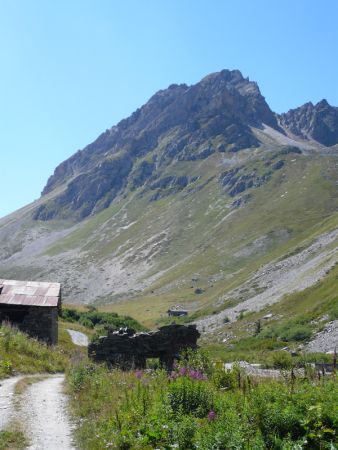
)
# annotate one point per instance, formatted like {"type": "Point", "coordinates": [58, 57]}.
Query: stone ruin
{"type": "Point", "coordinates": [129, 350]}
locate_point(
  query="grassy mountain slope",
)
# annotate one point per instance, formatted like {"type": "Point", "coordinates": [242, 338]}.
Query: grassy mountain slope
{"type": "Point", "coordinates": [161, 252]}
{"type": "Point", "coordinates": [207, 216]}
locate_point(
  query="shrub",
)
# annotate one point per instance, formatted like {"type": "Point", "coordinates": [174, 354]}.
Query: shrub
{"type": "Point", "coordinates": [226, 432]}
{"type": "Point", "coordinates": [258, 327]}
{"type": "Point", "coordinates": [196, 360]}
{"type": "Point", "coordinates": [226, 379]}
{"type": "Point", "coordinates": [184, 432]}
{"type": "Point", "coordinates": [187, 396]}
{"type": "Point", "coordinates": [282, 360]}
{"type": "Point", "coordinates": [107, 321]}
{"type": "Point", "coordinates": [307, 413]}
{"type": "Point", "coordinates": [281, 420]}
{"type": "Point", "coordinates": [6, 367]}
{"type": "Point", "coordinates": [296, 333]}
{"type": "Point", "coordinates": [289, 331]}
{"type": "Point", "coordinates": [79, 375]}
{"type": "Point", "coordinates": [84, 321]}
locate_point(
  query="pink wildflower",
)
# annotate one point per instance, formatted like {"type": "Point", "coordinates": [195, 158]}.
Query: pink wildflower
{"type": "Point", "coordinates": [173, 375]}
{"type": "Point", "coordinates": [211, 415]}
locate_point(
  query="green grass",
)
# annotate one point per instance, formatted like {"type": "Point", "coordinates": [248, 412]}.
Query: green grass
{"type": "Point", "coordinates": [21, 354]}
{"type": "Point", "coordinates": [24, 382]}
{"type": "Point", "coordinates": [12, 440]}
{"type": "Point", "coordinates": [65, 342]}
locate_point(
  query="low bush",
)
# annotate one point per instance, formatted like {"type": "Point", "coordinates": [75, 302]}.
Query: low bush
{"type": "Point", "coordinates": [226, 379]}
{"type": "Point", "coordinates": [189, 396]}
{"type": "Point", "coordinates": [288, 331]}
{"type": "Point", "coordinates": [106, 321]}
{"type": "Point", "coordinates": [296, 333]}
{"type": "Point", "coordinates": [199, 361]}
{"type": "Point", "coordinates": [282, 360]}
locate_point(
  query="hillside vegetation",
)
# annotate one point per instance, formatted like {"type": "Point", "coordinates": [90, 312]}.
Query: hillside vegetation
{"type": "Point", "coordinates": [290, 323]}
{"type": "Point", "coordinates": [199, 406]}
{"type": "Point", "coordinates": [93, 318]}
{"type": "Point", "coordinates": [202, 198]}
{"type": "Point", "coordinates": [21, 354]}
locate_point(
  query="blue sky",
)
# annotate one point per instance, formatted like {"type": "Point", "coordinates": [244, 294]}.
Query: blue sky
{"type": "Point", "coordinates": [72, 68]}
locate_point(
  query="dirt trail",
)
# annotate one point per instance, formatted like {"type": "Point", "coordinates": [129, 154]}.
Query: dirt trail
{"type": "Point", "coordinates": [41, 410]}
{"type": "Point", "coordinates": [45, 417]}
{"type": "Point", "coordinates": [78, 338]}
{"type": "Point", "coordinates": [6, 400]}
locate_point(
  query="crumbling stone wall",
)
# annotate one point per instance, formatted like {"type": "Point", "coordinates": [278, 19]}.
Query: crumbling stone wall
{"type": "Point", "coordinates": [127, 349]}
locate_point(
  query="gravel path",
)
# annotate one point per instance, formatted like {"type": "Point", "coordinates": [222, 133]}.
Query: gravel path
{"type": "Point", "coordinates": [44, 415]}
{"type": "Point", "coordinates": [78, 338]}
{"type": "Point", "coordinates": [6, 400]}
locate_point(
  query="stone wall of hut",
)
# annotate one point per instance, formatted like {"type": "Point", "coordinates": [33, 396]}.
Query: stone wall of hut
{"type": "Point", "coordinates": [37, 321]}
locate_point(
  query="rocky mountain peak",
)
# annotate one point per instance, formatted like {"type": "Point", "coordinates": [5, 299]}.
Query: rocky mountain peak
{"type": "Point", "coordinates": [179, 123]}
{"type": "Point", "coordinates": [232, 90]}
{"type": "Point", "coordinates": [323, 104]}
{"type": "Point", "coordinates": [318, 122]}
{"type": "Point", "coordinates": [231, 79]}
{"type": "Point", "coordinates": [223, 103]}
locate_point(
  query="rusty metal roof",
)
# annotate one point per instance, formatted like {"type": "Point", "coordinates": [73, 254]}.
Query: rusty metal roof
{"type": "Point", "coordinates": [29, 293]}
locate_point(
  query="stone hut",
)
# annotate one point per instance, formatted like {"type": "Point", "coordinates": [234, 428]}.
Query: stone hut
{"type": "Point", "coordinates": [172, 312]}
{"type": "Point", "coordinates": [32, 306]}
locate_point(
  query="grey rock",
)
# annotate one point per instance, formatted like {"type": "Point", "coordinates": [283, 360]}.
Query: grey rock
{"type": "Point", "coordinates": [318, 122]}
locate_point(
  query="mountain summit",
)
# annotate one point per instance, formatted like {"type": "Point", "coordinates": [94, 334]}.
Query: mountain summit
{"type": "Point", "coordinates": [176, 124]}
{"type": "Point", "coordinates": [318, 122]}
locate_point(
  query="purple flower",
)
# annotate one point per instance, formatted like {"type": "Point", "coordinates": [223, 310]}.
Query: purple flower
{"type": "Point", "coordinates": [193, 374]}
{"type": "Point", "coordinates": [173, 375]}
{"type": "Point", "coordinates": [211, 415]}
{"type": "Point", "coordinates": [138, 374]}
{"type": "Point", "coordinates": [197, 375]}
{"type": "Point", "coordinates": [183, 371]}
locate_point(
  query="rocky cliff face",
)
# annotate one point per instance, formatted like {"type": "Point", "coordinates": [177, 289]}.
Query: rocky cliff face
{"type": "Point", "coordinates": [178, 123]}
{"type": "Point", "coordinates": [318, 122]}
